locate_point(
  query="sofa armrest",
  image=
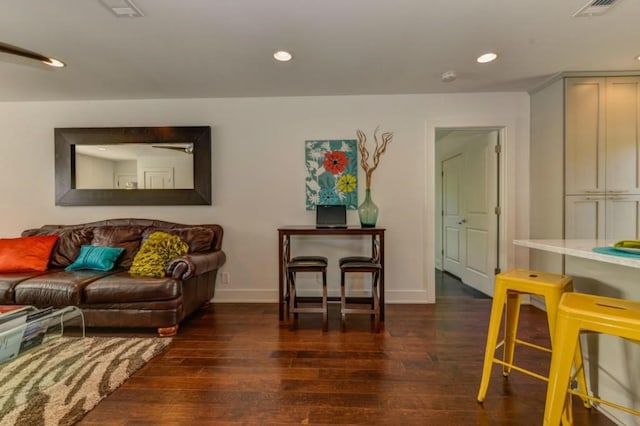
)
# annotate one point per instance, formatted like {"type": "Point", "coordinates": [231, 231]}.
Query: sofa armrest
{"type": "Point", "coordinates": [190, 265]}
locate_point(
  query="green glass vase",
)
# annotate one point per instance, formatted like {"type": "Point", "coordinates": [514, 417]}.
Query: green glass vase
{"type": "Point", "coordinates": [368, 211]}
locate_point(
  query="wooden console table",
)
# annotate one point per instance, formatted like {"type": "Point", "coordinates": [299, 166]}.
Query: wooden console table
{"type": "Point", "coordinates": [284, 238]}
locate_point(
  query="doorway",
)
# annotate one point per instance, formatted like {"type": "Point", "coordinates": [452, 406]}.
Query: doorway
{"type": "Point", "coordinates": [468, 202]}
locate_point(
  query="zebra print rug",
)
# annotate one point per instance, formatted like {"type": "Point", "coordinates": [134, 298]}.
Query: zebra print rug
{"type": "Point", "coordinates": [58, 383]}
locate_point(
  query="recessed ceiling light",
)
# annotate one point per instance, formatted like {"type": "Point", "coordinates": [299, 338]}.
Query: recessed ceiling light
{"type": "Point", "coordinates": [487, 57]}
{"type": "Point", "coordinates": [282, 55]}
{"type": "Point", "coordinates": [638, 57]}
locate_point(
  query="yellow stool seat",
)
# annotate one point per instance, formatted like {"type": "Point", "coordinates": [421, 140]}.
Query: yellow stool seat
{"type": "Point", "coordinates": [585, 312]}
{"type": "Point", "coordinates": [508, 290]}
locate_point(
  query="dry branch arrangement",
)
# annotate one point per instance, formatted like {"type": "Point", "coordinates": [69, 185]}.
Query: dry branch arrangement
{"type": "Point", "coordinates": [381, 147]}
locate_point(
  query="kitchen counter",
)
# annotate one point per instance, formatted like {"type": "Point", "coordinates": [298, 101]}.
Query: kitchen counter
{"type": "Point", "coordinates": [580, 248]}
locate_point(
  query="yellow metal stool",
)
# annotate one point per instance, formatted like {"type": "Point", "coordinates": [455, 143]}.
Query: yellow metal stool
{"type": "Point", "coordinates": [579, 312]}
{"type": "Point", "coordinates": [509, 287]}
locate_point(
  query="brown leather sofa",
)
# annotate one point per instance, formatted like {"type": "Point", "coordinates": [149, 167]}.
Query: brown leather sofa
{"type": "Point", "coordinates": [116, 298]}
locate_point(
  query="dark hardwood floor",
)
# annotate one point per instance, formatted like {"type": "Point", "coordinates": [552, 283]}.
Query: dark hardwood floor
{"type": "Point", "coordinates": [236, 364]}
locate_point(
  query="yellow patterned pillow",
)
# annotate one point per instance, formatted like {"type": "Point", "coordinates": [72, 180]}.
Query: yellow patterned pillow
{"type": "Point", "coordinates": [156, 253]}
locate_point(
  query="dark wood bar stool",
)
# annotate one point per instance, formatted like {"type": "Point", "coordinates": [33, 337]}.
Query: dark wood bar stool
{"type": "Point", "coordinates": [349, 259]}
{"type": "Point", "coordinates": [374, 309]}
{"type": "Point", "coordinates": [306, 264]}
{"type": "Point", "coordinates": [362, 264]}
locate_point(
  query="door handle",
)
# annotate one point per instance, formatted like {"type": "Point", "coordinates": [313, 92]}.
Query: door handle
{"type": "Point", "coordinates": [462, 221]}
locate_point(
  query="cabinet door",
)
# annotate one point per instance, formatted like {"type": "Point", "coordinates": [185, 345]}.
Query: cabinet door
{"type": "Point", "coordinates": [584, 217]}
{"type": "Point", "coordinates": [621, 217]}
{"type": "Point", "coordinates": [584, 135]}
{"type": "Point", "coordinates": [622, 127]}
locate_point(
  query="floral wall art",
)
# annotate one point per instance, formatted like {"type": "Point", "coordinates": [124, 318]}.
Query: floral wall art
{"type": "Point", "coordinates": [332, 173]}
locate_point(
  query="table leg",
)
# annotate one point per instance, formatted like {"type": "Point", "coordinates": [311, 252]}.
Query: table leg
{"type": "Point", "coordinates": [281, 275]}
{"type": "Point", "coordinates": [381, 283]}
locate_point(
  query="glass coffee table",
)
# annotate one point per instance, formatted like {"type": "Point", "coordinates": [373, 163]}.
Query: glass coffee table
{"type": "Point", "coordinates": [38, 348]}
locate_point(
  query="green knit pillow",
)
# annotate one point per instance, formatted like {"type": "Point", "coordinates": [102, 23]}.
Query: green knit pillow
{"type": "Point", "coordinates": [155, 254]}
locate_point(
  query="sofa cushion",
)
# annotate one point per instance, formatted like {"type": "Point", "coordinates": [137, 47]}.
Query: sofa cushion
{"type": "Point", "coordinates": [98, 258]}
{"type": "Point", "coordinates": [155, 254]}
{"type": "Point", "coordinates": [26, 253]}
{"type": "Point", "coordinates": [68, 245]}
{"type": "Point", "coordinates": [124, 288]}
{"type": "Point", "coordinates": [8, 281]}
{"type": "Point", "coordinates": [197, 237]}
{"type": "Point", "coordinates": [127, 237]}
{"type": "Point", "coordinates": [59, 288]}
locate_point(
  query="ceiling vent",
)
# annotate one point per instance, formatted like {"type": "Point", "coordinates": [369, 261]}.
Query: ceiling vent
{"type": "Point", "coordinates": [123, 8]}
{"type": "Point", "coordinates": [595, 8]}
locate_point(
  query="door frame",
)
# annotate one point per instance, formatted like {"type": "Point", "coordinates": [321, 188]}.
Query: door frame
{"type": "Point", "coordinates": [514, 204]}
{"type": "Point", "coordinates": [442, 155]}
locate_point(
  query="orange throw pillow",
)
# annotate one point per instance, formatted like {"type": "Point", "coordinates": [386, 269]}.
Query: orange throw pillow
{"type": "Point", "coordinates": [26, 253]}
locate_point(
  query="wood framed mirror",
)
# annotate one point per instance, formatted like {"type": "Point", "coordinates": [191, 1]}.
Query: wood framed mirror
{"type": "Point", "coordinates": [133, 166]}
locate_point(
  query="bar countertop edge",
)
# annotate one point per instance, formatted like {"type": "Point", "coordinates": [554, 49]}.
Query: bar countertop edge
{"type": "Point", "coordinates": [580, 248]}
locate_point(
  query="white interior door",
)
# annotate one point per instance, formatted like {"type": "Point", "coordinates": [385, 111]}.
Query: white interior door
{"type": "Point", "coordinates": [478, 221]}
{"type": "Point", "coordinates": [469, 202]}
{"type": "Point", "coordinates": [452, 253]}
{"type": "Point", "coordinates": [158, 178]}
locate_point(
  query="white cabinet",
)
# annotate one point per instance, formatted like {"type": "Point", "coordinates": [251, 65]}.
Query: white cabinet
{"type": "Point", "coordinates": [584, 135]}
{"type": "Point", "coordinates": [613, 217]}
{"type": "Point", "coordinates": [584, 217]}
{"type": "Point", "coordinates": [621, 217]}
{"type": "Point", "coordinates": [602, 157]}
{"type": "Point", "coordinates": [621, 140]}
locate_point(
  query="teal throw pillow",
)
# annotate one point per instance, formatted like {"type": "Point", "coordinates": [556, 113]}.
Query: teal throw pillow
{"type": "Point", "coordinates": [98, 258]}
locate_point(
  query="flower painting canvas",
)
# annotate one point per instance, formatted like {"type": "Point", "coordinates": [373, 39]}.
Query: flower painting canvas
{"type": "Point", "coordinates": [332, 173]}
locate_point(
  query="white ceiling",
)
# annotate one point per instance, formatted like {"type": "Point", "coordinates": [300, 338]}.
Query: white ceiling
{"type": "Point", "coordinates": [223, 48]}
{"type": "Point", "coordinates": [132, 151]}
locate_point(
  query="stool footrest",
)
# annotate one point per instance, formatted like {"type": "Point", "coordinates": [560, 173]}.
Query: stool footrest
{"type": "Point", "coordinates": [308, 310]}
{"type": "Point", "coordinates": [586, 397]}
{"type": "Point", "coordinates": [533, 345]}
{"type": "Point", "coordinates": [521, 370]}
{"type": "Point", "coordinates": [525, 343]}
{"type": "Point", "coordinates": [358, 311]}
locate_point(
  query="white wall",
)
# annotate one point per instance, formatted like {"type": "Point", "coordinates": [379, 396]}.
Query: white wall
{"type": "Point", "coordinates": [94, 172]}
{"type": "Point", "coordinates": [258, 172]}
{"type": "Point", "coordinates": [547, 173]}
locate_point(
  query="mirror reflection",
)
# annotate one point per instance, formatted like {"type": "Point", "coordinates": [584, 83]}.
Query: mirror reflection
{"type": "Point", "coordinates": [135, 166]}
{"type": "Point", "coordinates": [164, 166]}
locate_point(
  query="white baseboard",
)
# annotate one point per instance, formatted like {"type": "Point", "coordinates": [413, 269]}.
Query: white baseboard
{"type": "Point", "coordinates": [245, 296]}
{"type": "Point", "coordinates": [538, 302]}
{"type": "Point", "coordinates": [407, 297]}
{"type": "Point", "coordinates": [271, 296]}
